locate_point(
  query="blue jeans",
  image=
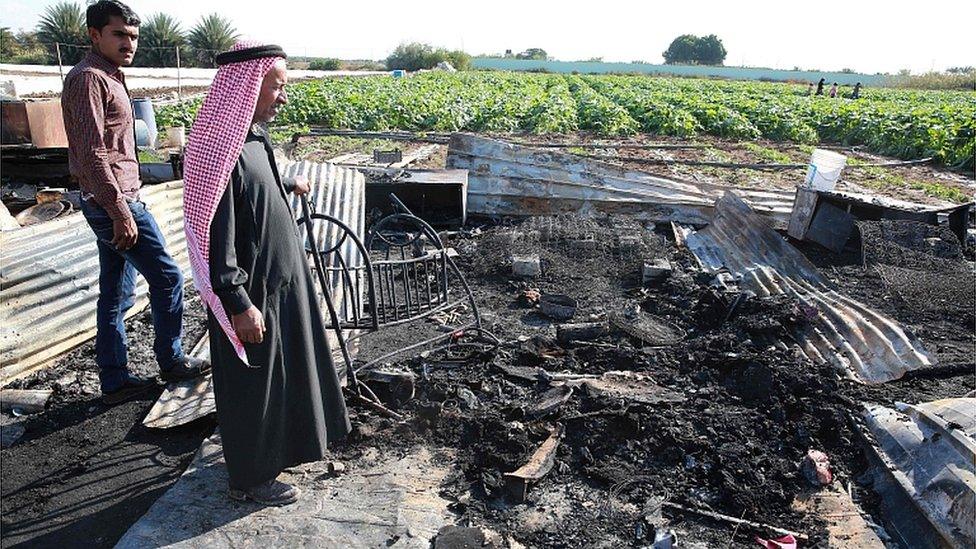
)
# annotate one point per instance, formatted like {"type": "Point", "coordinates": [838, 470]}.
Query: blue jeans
{"type": "Point", "coordinates": [116, 293]}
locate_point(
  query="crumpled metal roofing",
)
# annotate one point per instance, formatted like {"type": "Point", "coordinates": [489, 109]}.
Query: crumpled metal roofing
{"type": "Point", "coordinates": [924, 459]}
{"type": "Point", "coordinates": [865, 344]}
{"type": "Point", "coordinates": [510, 179]}
{"type": "Point", "coordinates": [49, 272]}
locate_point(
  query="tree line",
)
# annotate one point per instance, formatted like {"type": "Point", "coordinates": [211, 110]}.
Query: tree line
{"type": "Point", "coordinates": [160, 37]}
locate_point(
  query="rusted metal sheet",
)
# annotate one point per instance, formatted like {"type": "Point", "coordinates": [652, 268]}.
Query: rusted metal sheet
{"type": "Point", "coordinates": [923, 457]}
{"type": "Point", "coordinates": [46, 124]}
{"type": "Point", "coordinates": [509, 179]}
{"type": "Point", "coordinates": [14, 125]}
{"type": "Point", "coordinates": [49, 279]}
{"type": "Point", "coordinates": [865, 344]}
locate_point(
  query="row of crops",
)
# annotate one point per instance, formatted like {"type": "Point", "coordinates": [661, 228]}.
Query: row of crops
{"type": "Point", "coordinates": [901, 123]}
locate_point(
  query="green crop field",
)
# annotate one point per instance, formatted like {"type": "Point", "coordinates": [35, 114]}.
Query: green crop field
{"type": "Point", "coordinates": [906, 124]}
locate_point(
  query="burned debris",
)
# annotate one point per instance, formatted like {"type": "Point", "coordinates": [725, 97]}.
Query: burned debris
{"type": "Point", "coordinates": [544, 350]}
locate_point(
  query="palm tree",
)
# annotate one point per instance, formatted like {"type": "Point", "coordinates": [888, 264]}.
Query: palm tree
{"type": "Point", "coordinates": [212, 35]}
{"type": "Point", "coordinates": [161, 31]}
{"type": "Point", "coordinates": [64, 22]}
{"type": "Point", "coordinates": [8, 45]}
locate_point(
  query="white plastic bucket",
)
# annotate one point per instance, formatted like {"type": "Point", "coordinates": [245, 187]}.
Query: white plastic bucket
{"type": "Point", "coordinates": [824, 170]}
{"type": "Point", "coordinates": [176, 136]}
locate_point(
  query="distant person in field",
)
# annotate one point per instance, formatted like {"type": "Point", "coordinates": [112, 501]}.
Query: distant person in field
{"type": "Point", "coordinates": [810, 89]}
{"type": "Point", "coordinates": [856, 94]}
{"type": "Point", "coordinates": [820, 86]}
{"type": "Point", "coordinates": [833, 90]}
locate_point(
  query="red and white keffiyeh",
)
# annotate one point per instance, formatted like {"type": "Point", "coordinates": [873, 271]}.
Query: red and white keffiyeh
{"type": "Point", "coordinates": [215, 144]}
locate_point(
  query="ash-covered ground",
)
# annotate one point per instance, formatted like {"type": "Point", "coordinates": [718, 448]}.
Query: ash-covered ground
{"type": "Point", "coordinates": [747, 409]}
{"type": "Point", "coordinates": [729, 411]}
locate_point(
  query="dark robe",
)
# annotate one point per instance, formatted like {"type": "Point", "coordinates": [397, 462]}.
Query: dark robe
{"type": "Point", "coordinates": [282, 412]}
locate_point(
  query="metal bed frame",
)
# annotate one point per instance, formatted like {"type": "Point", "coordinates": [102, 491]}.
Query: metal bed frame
{"type": "Point", "coordinates": [405, 275]}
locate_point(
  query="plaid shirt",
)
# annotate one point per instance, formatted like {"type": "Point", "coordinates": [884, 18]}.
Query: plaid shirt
{"type": "Point", "coordinates": [101, 136]}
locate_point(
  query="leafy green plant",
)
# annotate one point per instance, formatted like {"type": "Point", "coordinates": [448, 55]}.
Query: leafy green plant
{"type": "Point", "coordinates": [906, 124]}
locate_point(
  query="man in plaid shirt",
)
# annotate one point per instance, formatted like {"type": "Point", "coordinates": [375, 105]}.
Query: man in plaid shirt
{"type": "Point", "coordinates": [102, 159]}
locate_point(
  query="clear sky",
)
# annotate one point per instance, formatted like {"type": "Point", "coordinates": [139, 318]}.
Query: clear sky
{"type": "Point", "coordinates": [867, 36]}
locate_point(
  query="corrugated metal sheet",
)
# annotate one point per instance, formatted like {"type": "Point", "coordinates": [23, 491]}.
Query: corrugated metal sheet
{"type": "Point", "coordinates": [49, 282]}
{"type": "Point", "coordinates": [185, 401]}
{"type": "Point", "coordinates": [509, 179]}
{"type": "Point", "coordinates": [924, 459]}
{"type": "Point", "coordinates": [49, 272]}
{"type": "Point", "coordinates": [869, 346]}
{"type": "Point", "coordinates": [341, 193]}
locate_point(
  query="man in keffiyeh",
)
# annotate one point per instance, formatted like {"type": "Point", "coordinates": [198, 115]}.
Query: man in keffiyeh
{"type": "Point", "coordinates": [278, 394]}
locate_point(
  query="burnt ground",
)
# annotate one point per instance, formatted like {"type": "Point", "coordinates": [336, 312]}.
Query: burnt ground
{"type": "Point", "coordinates": [83, 472]}
{"type": "Point", "coordinates": [750, 413]}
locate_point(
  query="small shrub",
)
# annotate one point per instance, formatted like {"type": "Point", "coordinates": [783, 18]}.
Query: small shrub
{"type": "Point", "coordinates": [416, 56]}
{"type": "Point", "coordinates": [324, 64]}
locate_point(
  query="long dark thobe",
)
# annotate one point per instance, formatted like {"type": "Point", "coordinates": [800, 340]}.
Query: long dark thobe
{"type": "Point", "coordinates": [282, 412]}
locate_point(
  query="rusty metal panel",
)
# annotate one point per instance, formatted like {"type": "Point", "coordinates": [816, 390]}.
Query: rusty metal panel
{"type": "Point", "coordinates": [47, 124]}
{"type": "Point", "coordinates": [510, 179]}
{"type": "Point", "coordinates": [923, 457]}
{"type": "Point", "coordinates": [14, 126]}
{"type": "Point", "coordinates": [866, 345]}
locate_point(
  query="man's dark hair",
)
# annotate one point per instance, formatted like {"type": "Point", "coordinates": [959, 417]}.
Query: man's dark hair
{"type": "Point", "coordinates": [99, 13]}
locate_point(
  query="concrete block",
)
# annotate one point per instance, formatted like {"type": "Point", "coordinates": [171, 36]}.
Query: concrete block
{"type": "Point", "coordinates": [629, 243]}
{"type": "Point", "coordinates": [655, 270]}
{"type": "Point", "coordinates": [584, 246]}
{"type": "Point", "coordinates": [526, 265]}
